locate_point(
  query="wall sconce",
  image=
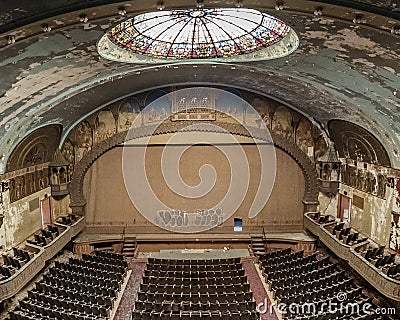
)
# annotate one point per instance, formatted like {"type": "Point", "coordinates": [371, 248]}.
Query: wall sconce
{"type": "Point", "coordinates": [200, 4]}
{"type": "Point", "coordinates": [318, 11]}
{"type": "Point", "coordinates": [83, 18]}
{"type": "Point", "coordinates": [160, 5]}
{"type": "Point", "coordinates": [358, 18]}
{"type": "Point", "coordinates": [10, 39]}
{"type": "Point", "coordinates": [46, 27]}
{"type": "Point", "coordinates": [279, 5]}
{"type": "Point", "coordinates": [239, 4]}
{"type": "Point", "coordinates": [122, 11]}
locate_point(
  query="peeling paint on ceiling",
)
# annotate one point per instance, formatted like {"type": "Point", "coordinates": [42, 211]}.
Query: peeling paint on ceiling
{"type": "Point", "coordinates": [340, 71]}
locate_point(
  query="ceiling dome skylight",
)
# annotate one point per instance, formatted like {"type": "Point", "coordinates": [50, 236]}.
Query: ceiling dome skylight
{"type": "Point", "coordinates": [228, 34]}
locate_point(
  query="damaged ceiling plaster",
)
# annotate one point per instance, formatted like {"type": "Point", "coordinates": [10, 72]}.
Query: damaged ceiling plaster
{"type": "Point", "coordinates": [341, 70]}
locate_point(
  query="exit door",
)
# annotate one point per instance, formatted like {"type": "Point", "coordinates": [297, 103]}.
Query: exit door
{"type": "Point", "coordinates": [45, 210]}
{"type": "Point", "coordinates": [344, 207]}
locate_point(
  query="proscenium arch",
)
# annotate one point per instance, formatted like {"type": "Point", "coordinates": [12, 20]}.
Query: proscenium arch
{"type": "Point", "coordinates": [310, 199]}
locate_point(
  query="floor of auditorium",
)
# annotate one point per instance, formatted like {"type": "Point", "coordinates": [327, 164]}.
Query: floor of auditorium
{"type": "Point", "coordinates": [138, 264]}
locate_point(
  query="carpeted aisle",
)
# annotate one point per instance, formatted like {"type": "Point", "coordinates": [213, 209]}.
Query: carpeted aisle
{"type": "Point", "coordinates": [258, 290]}
{"type": "Point", "coordinates": [126, 305]}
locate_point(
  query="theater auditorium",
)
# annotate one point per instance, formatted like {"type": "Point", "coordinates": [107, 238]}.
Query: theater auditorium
{"type": "Point", "coordinates": [200, 159]}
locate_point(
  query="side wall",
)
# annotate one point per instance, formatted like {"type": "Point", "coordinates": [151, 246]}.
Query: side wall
{"type": "Point", "coordinates": [373, 219]}
{"type": "Point", "coordinates": [21, 218]}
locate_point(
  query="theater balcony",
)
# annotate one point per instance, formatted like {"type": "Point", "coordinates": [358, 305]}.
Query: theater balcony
{"type": "Point", "coordinates": [41, 252]}
{"type": "Point", "coordinates": [377, 265]}
{"type": "Point", "coordinates": [60, 189]}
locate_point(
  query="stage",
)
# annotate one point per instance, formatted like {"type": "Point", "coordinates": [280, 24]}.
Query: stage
{"type": "Point", "coordinates": [199, 254]}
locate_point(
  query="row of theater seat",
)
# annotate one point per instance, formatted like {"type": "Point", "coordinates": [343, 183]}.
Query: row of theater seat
{"type": "Point", "coordinates": [172, 288]}
{"type": "Point", "coordinates": [195, 297]}
{"type": "Point", "coordinates": [196, 273]}
{"type": "Point", "coordinates": [13, 262]}
{"type": "Point", "coordinates": [109, 255]}
{"type": "Point", "coordinates": [194, 315]}
{"type": "Point", "coordinates": [104, 260]}
{"type": "Point", "coordinates": [45, 236]}
{"type": "Point", "coordinates": [97, 267]}
{"type": "Point", "coordinates": [214, 279]}
{"type": "Point", "coordinates": [75, 290]}
{"type": "Point", "coordinates": [346, 235]}
{"type": "Point", "coordinates": [193, 267]}
{"type": "Point", "coordinates": [375, 255]}
{"type": "Point", "coordinates": [193, 262]}
{"type": "Point", "coordinates": [176, 307]}
{"type": "Point", "coordinates": [68, 220]}
{"type": "Point", "coordinates": [193, 271]}
{"type": "Point", "coordinates": [312, 283]}
{"type": "Point", "coordinates": [383, 261]}
{"type": "Point", "coordinates": [321, 219]}
{"type": "Point", "coordinates": [195, 290]}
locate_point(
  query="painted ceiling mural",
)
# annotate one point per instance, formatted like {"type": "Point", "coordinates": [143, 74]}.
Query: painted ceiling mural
{"type": "Point", "coordinates": [120, 115]}
{"type": "Point", "coordinates": [341, 70]}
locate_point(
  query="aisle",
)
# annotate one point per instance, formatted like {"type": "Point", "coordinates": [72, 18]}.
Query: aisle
{"type": "Point", "coordinates": [125, 308]}
{"type": "Point", "coordinates": [258, 290]}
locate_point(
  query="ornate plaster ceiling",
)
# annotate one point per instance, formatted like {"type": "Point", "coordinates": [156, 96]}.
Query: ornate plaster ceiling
{"type": "Point", "coordinates": [341, 70]}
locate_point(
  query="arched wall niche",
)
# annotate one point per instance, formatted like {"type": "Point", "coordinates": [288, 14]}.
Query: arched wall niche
{"type": "Point", "coordinates": [34, 152]}
{"type": "Point", "coordinates": [358, 144]}
{"type": "Point", "coordinates": [367, 160]}
{"type": "Point", "coordinates": [36, 148]}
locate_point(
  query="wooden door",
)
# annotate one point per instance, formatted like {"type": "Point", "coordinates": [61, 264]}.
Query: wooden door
{"type": "Point", "coordinates": [45, 210]}
{"type": "Point", "coordinates": [344, 207]}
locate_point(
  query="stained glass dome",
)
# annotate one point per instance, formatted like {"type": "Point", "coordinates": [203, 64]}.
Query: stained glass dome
{"type": "Point", "coordinates": [203, 34]}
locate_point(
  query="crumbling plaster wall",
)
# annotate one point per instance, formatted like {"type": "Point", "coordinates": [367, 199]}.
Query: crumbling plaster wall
{"type": "Point", "coordinates": [20, 221]}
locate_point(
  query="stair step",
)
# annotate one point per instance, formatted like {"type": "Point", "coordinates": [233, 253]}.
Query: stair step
{"type": "Point", "coordinates": [129, 247]}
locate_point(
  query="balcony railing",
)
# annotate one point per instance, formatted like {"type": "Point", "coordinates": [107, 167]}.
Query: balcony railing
{"type": "Point", "coordinates": [388, 286]}
{"type": "Point", "coordinates": [60, 189]}
{"type": "Point", "coordinates": [11, 286]}
{"type": "Point", "coordinates": [328, 186]}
